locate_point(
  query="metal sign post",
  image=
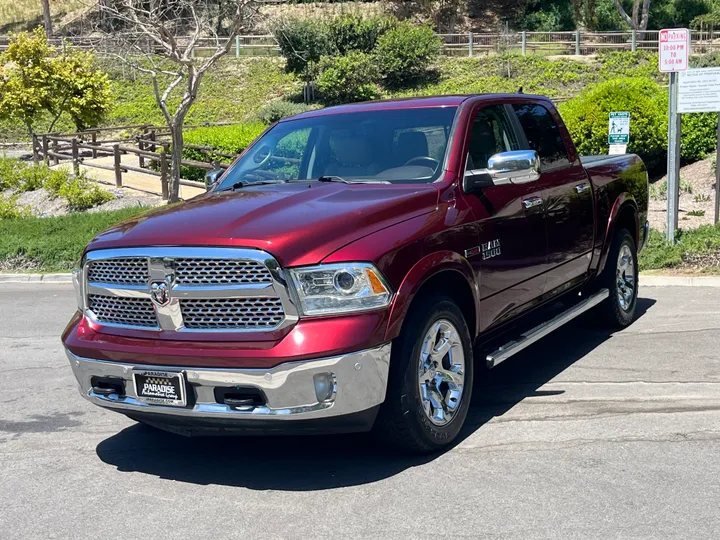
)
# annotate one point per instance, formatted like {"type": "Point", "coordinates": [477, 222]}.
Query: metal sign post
{"type": "Point", "coordinates": [673, 164]}
{"type": "Point", "coordinates": [674, 54]}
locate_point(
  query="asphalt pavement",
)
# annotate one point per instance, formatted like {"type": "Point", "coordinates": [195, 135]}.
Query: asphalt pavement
{"type": "Point", "coordinates": [585, 435]}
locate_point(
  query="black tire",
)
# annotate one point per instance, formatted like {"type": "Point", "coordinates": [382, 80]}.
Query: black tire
{"type": "Point", "coordinates": [618, 311]}
{"type": "Point", "coordinates": [402, 421]}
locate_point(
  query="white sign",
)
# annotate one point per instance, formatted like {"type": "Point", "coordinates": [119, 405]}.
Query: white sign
{"type": "Point", "coordinates": [619, 128]}
{"type": "Point", "coordinates": [674, 50]}
{"type": "Point", "coordinates": [699, 91]}
{"type": "Point", "coordinates": [618, 149]}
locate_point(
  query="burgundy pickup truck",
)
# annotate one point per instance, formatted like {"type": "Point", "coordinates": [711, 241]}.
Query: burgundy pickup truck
{"type": "Point", "coordinates": [356, 268]}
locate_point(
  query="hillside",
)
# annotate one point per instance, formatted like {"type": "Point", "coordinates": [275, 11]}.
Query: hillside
{"type": "Point", "coordinates": [240, 87]}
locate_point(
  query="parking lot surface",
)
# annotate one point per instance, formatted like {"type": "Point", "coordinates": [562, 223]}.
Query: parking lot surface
{"type": "Point", "coordinates": [585, 435]}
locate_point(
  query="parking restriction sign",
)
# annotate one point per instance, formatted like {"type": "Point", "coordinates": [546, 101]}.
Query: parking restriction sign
{"type": "Point", "coordinates": [674, 50]}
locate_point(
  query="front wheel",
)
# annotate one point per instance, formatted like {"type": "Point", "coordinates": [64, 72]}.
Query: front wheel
{"type": "Point", "coordinates": [620, 277]}
{"type": "Point", "coordinates": [431, 379]}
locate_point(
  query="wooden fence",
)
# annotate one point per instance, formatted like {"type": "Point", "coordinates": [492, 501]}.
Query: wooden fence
{"type": "Point", "coordinates": [151, 145]}
{"type": "Point", "coordinates": [578, 43]}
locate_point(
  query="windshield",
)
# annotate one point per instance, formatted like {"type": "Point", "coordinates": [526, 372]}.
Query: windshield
{"type": "Point", "coordinates": [396, 146]}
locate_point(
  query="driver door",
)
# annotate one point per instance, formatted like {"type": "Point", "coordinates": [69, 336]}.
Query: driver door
{"type": "Point", "coordinates": [512, 254]}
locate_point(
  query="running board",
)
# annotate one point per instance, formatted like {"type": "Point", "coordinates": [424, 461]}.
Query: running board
{"type": "Point", "coordinates": [539, 332]}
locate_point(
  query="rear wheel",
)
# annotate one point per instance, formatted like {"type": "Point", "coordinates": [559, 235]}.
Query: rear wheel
{"type": "Point", "coordinates": [620, 277]}
{"type": "Point", "coordinates": [431, 379]}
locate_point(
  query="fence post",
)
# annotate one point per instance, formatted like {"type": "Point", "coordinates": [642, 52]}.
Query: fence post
{"type": "Point", "coordinates": [55, 149]}
{"type": "Point", "coordinates": [35, 143]}
{"type": "Point", "coordinates": [75, 157]}
{"type": "Point", "coordinates": [470, 44]}
{"type": "Point", "coordinates": [118, 170]}
{"type": "Point", "coordinates": [577, 43]}
{"type": "Point", "coordinates": [164, 176]}
{"type": "Point", "coordinates": [141, 146]}
{"type": "Point", "coordinates": [45, 148]}
{"type": "Point", "coordinates": [524, 42]}
{"type": "Point", "coordinates": [634, 40]}
{"type": "Point", "coordinates": [237, 46]}
{"type": "Point", "coordinates": [94, 142]}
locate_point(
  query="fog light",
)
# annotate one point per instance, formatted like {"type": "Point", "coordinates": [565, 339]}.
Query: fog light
{"type": "Point", "coordinates": [324, 386]}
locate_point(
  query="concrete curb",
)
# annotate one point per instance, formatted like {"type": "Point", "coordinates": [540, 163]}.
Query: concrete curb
{"type": "Point", "coordinates": [679, 281]}
{"type": "Point", "coordinates": [35, 278]}
{"type": "Point", "coordinates": [645, 280]}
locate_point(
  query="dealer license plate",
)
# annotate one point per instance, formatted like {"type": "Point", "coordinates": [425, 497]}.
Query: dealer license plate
{"type": "Point", "coordinates": [160, 387]}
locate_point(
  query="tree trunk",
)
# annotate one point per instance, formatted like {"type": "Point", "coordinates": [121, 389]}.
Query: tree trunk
{"type": "Point", "coordinates": [46, 18]}
{"type": "Point", "coordinates": [178, 143]}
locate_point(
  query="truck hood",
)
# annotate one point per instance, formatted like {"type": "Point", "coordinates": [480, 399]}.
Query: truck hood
{"type": "Point", "coordinates": [298, 223]}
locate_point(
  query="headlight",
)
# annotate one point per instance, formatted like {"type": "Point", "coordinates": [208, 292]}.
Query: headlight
{"type": "Point", "coordinates": [77, 285]}
{"type": "Point", "coordinates": [340, 288]}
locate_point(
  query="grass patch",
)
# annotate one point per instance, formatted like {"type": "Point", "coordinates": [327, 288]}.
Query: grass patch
{"type": "Point", "coordinates": [697, 249]}
{"type": "Point", "coordinates": [54, 244]}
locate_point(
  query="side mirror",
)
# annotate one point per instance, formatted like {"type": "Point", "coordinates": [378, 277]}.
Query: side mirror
{"type": "Point", "coordinates": [517, 167]}
{"type": "Point", "coordinates": [211, 178]}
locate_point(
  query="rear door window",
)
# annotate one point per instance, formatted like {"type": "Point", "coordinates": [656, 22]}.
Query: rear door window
{"type": "Point", "coordinates": [543, 135]}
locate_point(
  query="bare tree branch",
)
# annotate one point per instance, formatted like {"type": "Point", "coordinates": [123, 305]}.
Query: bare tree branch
{"type": "Point", "coordinates": [157, 33]}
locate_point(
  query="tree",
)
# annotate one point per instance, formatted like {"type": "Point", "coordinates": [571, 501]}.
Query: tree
{"type": "Point", "coordinates": [37, 79]}
{"type": "Point", "coordinates": [637, 21]}
{"type": "Point", "coordinates": [47, 21]}
{"type": "Point", "coordinates": [156, 41]}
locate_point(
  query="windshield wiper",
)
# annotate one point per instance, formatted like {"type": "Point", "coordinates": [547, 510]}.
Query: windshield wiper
{"type": "Point", "coordinates": [332, 179]}
{"type": "Point", "coordinates": [341, 179]}
{"type": "Point", "coordinates": [241, 184]}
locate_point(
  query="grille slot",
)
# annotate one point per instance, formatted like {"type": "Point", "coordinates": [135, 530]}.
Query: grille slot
{"type": "Point", "coordinates": [127, 271]}
{"type": "Point", "coordinates": [232, 313]}
{"type": "Point", "coordinates": [196, 271]}
{"type": "Point", "coordinates": [121, 310]}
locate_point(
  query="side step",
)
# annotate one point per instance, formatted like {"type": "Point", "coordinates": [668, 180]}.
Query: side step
{"type": "Point", "coordinates": [537, 333]}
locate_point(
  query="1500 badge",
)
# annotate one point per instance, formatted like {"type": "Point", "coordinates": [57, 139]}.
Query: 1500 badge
{"type": "Point", "coordinates": [488, 249]}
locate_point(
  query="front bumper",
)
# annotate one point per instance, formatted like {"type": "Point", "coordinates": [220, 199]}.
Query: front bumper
{"type": "Point", "coordinates": [288, 389]}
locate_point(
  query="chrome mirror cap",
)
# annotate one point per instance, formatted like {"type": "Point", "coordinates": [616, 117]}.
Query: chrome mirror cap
{"type": "Point", "coordinates": [517, 167]}
{"type": "Point", "coordinates": [211, 178]}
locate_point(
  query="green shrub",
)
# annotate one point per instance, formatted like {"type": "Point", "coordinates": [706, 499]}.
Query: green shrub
{"type": "Point", "coordinates": [699, 135]}
{"type": "Point", "coordinates": [224, 139]}
{"type": "Point", "coordinates": [659, 253]}
{"type": "Point", "coordinates": [405, 54]}
{"type": "Point", "coordinates": [302, 43]}
{"type": "Point", "coordinates": [697, 213]}
{"type": "Point", "coordinates": [347, 79]}
{"type": "Point", "coordinates": [10, 210]}
{"type": "Point", "coordinates": [587, 116]}
{"type": "Point", "coordinates": [82, 194]}
{"type": "Point", "coordinates": [10, 172]}
{"type": "Point", "coordinates": [352, 32]}
{"type": "Point", "coordinates": [277, 110]}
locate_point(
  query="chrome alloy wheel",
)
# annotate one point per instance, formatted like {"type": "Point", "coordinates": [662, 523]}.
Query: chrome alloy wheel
{"type": "Point", "coordinates": [625, 277]}
{"type": "Point", "coordinates": [441, 372]}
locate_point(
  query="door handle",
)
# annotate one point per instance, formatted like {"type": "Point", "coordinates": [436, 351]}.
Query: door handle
{"type": "Point", "coordinates": [532, 202]}
{"type": "Point", "coordinates": [582, 188]}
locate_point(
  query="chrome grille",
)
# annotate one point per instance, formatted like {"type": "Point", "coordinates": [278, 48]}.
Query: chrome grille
{"type": "Point", "coordinates": [127, 271]}
{"type": "Point", "coordinates": [123, 310]}
{"type": "Point", "coordinates": [220, 272]}
{"type": "Point", "coordinates": [234, 313]}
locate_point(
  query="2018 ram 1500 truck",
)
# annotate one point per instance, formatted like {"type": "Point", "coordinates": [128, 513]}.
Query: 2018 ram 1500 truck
{"type": "Point", "coordinates": [351, 266]}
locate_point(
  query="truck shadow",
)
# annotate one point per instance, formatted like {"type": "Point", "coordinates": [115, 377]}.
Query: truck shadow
{"type": "Point", "coordinates": [328, 462]}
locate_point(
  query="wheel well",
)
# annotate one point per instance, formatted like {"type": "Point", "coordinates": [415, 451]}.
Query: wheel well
{"type": "Point", "coordinates": [626, 220]}
{"type": "Point", "coordinates": [452, 284]}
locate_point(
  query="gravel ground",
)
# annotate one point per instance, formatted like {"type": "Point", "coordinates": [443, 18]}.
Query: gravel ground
{"type": "Point", "coordinates": [41, 204]}
{"type": "Point", "coordinates": [702, 199]}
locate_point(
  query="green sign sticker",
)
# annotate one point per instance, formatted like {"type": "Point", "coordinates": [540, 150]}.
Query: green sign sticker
{"type": "Point", "coordinates": [619, 129]}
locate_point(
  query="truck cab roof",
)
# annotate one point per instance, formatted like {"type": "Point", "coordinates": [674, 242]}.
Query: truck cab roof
{"type": "Point", "coordinates": [410, 103]}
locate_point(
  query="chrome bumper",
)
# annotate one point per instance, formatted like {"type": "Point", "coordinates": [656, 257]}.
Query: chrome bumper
{"type": "Point", "coordinates": [360, 382]}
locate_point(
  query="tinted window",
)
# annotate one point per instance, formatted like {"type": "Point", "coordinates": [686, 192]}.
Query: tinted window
{"type": "Point", "coordinates": [403, 145]}
{"type": "Point", "coordinates": [491, 134]}
{"type": "Point", "coordinates": [543, 135]}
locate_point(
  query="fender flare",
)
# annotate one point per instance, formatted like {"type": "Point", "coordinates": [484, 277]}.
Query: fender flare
{"type": "Point", "coordinates": [623, 201]}
{"type": "Point", "coordinates": [429, 266]}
